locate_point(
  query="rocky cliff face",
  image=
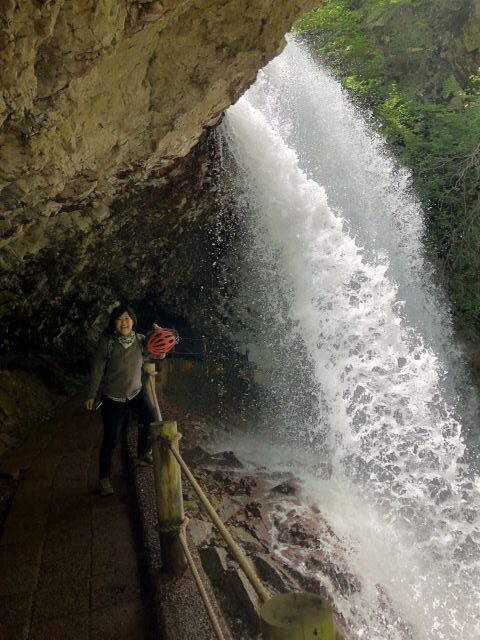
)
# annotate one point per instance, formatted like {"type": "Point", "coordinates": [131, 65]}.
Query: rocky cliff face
{"type": "Point", "coordinates": [101, 104]}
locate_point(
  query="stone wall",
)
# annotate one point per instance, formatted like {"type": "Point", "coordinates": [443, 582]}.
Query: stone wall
{"type": "Point", "coordinates": [24, 403]}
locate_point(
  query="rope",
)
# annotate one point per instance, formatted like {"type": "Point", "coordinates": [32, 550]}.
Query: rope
{"type": "Point", "coordinates": [169, 440]}
{"type": "Point", "coordinates": [249, 571]}
{"type": "Point", "coordinates": [173, 528]}
{"type": "Point", "coordinates": [201, 588]}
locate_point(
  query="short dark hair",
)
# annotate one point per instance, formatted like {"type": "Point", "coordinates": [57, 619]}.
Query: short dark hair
{"type": "Point", "coordinates": [119, 311]}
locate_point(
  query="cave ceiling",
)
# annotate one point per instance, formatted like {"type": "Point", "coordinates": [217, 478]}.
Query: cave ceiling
{"type": "Point", "coordinates": [105, 109]}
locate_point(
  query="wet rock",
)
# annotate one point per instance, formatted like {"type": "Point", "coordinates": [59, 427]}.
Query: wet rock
{"type": "Point", "coordinates": [248, 538]}
{"type": "Point", "coordinates": [226, 459]}
{"type": "Point", "coordinates": [226, 506]}
{"type": "Point", "coordinates": [252, 509]}
{"type": "Point", "coordinates": [307, 582]}
{"type": "Point", "coordinates": [287, 488]}
{"type": "Point", "coordinates": [234, 592]}
{"type": "Point", "coordinates": [234, 486]}
{"type": "Point", "coordinates": [199, 457]}
{"type": "Point", "coordinates": [270, 573]}
{"type": "Point", "coordinates": [196, 457]}
{"type": "Point", "coordinates": [248, 485]}
{"type": "Point", "coordinates": [199, 531]}
{"type": "Point", "coordinates": [214, 562]}
{"type": "Point", "coordinates": [297, 530]}
{"type": "Point", "coordinates": [345, 581]}
{"type": "Point", "coordinates": [246, 597]}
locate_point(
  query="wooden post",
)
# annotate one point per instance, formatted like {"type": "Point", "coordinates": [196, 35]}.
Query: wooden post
{"type": "Point", "coordinates": [297, 616]}
{"type": "Point", "coordinates": [168, 490]}
{"type": "Point", "coordinates": [149, 383]}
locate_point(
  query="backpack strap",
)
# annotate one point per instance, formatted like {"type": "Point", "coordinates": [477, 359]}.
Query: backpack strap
{"type": "Point", "coordinates": [141, 343]}
{"type": "Point", "coordinates": [111, 342]}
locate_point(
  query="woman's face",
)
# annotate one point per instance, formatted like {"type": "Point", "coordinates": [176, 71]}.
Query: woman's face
{"type": "Point", "coordinates": [124, 324]}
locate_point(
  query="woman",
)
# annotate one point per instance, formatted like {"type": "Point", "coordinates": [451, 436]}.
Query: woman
{"type": "Point", "coordinates": [116, 378]}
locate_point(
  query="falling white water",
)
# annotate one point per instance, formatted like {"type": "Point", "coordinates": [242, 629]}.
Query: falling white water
{"type": "Point", "coordinates": [347, 235]}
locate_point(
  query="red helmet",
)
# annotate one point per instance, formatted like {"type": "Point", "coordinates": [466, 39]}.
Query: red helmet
{"type": "Point", "coordinates": [160, 341]}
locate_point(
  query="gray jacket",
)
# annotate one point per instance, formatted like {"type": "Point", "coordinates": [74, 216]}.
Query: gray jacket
{"type": "Point", "coordinates": [116, 371]}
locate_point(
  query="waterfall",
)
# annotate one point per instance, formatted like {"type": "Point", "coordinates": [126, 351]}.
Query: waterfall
{"type": "Point", "coordinates": [335, 237]}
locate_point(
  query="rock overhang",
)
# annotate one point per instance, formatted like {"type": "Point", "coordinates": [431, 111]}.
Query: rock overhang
{"type": "Point", "coordinates": [103, 109]}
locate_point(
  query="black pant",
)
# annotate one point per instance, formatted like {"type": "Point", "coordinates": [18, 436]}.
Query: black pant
{"type": "Point", "coordinates": [114, 415]}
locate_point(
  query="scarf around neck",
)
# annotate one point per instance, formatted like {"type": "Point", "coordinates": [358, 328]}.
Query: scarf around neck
{"type": "Point", "coordinates": [126, 341]}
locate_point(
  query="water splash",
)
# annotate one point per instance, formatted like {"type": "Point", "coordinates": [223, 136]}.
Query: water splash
{"type": "Point", "coordinates": [346, 234]}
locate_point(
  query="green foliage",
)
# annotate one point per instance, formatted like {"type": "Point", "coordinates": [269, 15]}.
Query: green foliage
{"type": "Point", "coordinates": [437, 136]}
{"type": "Point", "coordinates": [441, 143]}
{"type": "Point", "coordinates": [344, 41]}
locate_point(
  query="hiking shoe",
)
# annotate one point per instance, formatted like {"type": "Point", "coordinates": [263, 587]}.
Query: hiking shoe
{"type": "Point", "coordinates": [146, 460]}
{"type": "Point", "coordinates": [105, 487]}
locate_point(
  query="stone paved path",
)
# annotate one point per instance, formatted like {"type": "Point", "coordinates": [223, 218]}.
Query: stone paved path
{"type": "Point", "coordinates": [68, 558]}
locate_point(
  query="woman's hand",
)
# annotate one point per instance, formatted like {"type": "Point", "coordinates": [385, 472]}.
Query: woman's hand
{"type": "Point", "coordinates": [89, 404]}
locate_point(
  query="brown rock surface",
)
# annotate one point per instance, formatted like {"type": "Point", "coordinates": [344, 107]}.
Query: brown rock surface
{"type": "Point", "coordinates": [99, 100]}
{"type": "Point", "coordinates": [24, 400]}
